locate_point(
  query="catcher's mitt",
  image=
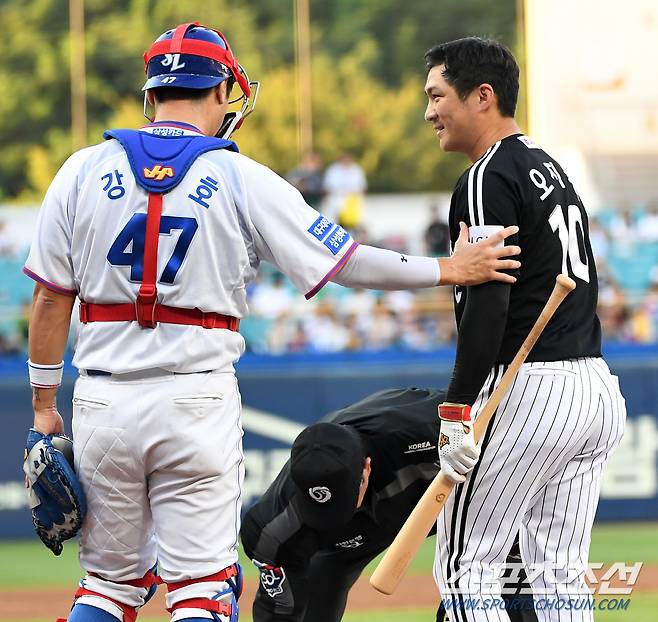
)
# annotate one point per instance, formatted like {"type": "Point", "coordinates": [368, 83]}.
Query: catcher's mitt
{"type": "Point", "coordinates": [55, 495]}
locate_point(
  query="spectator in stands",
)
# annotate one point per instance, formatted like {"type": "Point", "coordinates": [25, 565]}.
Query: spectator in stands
{"type": "Point", "coordinates": [298, 341]}
{"type": "Point", "coordinates": [645, 318]}
{"type": "Point", "coordinates": [345, 185]}
{"type": "Point", "coordinates": [271, 298]}
{"type": "Point", "coordinates": [285, 335]}
{"type": "Point", "coordinates": [359, 303]}
{"type": "Point", "coordinates": [437, 234]}
{"type": "Point", "coordinates": [413, 334]}
{"type": "Point", "coordinates": [325, 332]}
{"type": "Point", "coordinates": [600, 241]}
{"type": "Point", "coordinates": [7, 244]}
{"type": "Point", "coordinates": [613, 309]}
{"type": "Point", "coordinates": [383, 330]}
{"type": "Point", "coordinates": [623, 231]}
{"type": "Point", "coordinates": [308, 179]}
{"type": "Point", "coordinates": [445, 331]}
{"type": "Point", "coordinates": [400, 302]}
{"type": "Point", "coordinates": [648, 224]}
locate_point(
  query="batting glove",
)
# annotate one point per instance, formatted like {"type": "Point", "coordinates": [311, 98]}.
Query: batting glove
{"type": "Point", "coordinates": [458, 452]}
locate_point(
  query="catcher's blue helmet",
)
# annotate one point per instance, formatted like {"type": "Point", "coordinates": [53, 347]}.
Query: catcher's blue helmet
{"type": "Point", "coordinates": [192, 56]}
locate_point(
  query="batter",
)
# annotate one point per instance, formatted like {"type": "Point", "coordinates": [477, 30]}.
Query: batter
{"type": "Point", "coordinates": [540, 462]}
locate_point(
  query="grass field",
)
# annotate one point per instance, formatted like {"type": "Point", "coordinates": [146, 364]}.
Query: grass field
{"type": "Point", "coordinates": [27, 564]}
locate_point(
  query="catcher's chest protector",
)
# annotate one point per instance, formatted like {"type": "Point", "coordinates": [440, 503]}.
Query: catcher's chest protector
{"type": "Point", "coordinates": [159, 163]}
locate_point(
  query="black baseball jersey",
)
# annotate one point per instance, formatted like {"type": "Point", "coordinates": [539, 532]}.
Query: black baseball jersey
{"type": "Point", "coordinates": [517, 183]}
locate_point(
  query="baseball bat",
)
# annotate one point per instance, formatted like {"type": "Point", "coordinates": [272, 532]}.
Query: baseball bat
{"type": "Point", "coordinates": [394, 564]}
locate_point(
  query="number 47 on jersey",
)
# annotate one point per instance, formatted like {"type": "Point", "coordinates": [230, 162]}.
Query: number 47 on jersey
{"type": "Point", "coordinates": [128, 248]}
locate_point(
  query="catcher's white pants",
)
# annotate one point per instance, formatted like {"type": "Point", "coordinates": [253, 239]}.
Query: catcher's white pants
{"type": "Point", "coordinates": [539, 475]}
{"type": "Point", "coordinates": [159, 456]}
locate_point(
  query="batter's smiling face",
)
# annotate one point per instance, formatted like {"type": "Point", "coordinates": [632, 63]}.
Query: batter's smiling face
{"type": "Point", "coordinates": [453, 119]}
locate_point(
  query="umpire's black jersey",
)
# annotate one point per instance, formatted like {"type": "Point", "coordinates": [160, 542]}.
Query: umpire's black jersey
{"type": "Point", "coordinates": [517, 183]}
{"type": "Point", "coordinates": [400, 428]}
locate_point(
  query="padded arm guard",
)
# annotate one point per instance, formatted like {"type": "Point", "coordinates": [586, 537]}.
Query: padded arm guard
{"type": "Point", "coordinates": [54, 492]}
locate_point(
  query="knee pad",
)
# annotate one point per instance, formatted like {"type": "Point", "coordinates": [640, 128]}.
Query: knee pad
{"type": "Point", "coordinates": [82, 612]}
{"type": "Point", "coordinates": [119, 599]}
{"type": "Point", "coordinates": [217, 594]}
{"type": "Point", "coordinates": [92, 607]}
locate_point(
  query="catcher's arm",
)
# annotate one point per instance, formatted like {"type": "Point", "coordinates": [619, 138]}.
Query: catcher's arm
{"type": "Point", "coordinates": [50, 319]}
{"type": "Point", "coordinates": [55, 495]}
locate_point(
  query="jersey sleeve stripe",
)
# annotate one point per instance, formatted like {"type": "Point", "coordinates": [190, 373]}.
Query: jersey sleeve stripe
{"type": "Point", "coordinates": [332, 272]}
{"type": "Point", "coordinates": [480, 175]}
{"type": "Point", "coordinates": [471, 189]}
{"type": "Point", "coordinates": [51, 286]}
{"type": "Point", "coordinates": [471, 175]}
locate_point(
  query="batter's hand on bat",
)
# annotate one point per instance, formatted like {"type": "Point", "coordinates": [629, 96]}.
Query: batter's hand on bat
{"type": "Point", "coordinates": [458, 452]}
{"type": "Point", "coordinates": [472, 264]}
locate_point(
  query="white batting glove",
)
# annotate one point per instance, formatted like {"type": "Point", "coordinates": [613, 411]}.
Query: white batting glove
{"type": "Point", "coordinates": [458, 452]}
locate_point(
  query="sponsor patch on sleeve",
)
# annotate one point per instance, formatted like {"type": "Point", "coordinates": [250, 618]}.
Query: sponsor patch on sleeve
{"type": "Point", "coordinates": [336, 240]}
{"type": "Point", "coordinates": [477, 233]}
{"type": "Point", "coordinates": [320, 228]}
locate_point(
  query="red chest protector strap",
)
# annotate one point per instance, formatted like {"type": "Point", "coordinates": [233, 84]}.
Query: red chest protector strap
{"type": "Point", "coordinates": [146, 309]}
{"type": "Point", "coordinates": [148, 290]}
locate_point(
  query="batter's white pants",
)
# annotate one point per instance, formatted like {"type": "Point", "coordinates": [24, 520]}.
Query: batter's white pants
{"type": "Point", "coordinates": [539, 475]}
{"type": "Point", "coordinates": [160, 459]}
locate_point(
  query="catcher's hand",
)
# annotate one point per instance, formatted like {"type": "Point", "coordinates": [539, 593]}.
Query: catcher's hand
{"type": "Point", "coordinates": [458, 452]}
{"type": "Point", "coordinates": [55, 495]}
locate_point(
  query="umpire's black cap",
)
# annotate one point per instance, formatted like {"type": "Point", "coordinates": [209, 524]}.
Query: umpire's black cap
{"type": "Point", "coordinates": [326, 465]}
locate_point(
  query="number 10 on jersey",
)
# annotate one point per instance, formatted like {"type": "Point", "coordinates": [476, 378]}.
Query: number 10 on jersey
{"type": "Point", "coordinates": [568, 232]}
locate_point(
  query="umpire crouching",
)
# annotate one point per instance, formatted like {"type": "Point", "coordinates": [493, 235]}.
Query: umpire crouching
{"type": "Point", "coordinates": [339, 501]}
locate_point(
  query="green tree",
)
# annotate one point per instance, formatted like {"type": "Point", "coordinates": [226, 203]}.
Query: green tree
{"type": "Point", "coordinates": [367, 79]}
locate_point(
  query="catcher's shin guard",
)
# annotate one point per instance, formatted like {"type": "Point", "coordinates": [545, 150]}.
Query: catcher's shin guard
{"type": "Point", "coordinates": [217, 594]}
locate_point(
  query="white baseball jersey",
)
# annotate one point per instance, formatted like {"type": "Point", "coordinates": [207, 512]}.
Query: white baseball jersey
{"type": "Point", "coordinates": [227, 215]}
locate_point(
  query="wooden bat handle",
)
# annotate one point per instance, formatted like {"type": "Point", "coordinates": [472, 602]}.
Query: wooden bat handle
{"type": "Point", "coordinates": [395, 562]}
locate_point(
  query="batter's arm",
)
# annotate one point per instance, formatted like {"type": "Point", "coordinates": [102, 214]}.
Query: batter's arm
{"type": "Point", "coordinates": [50, 319]}
{"type": "Point", "coordinates": [480, 336]}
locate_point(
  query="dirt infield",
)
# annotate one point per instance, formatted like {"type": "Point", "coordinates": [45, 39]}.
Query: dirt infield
{"type": "Point", "coordinates": [416, 591]}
